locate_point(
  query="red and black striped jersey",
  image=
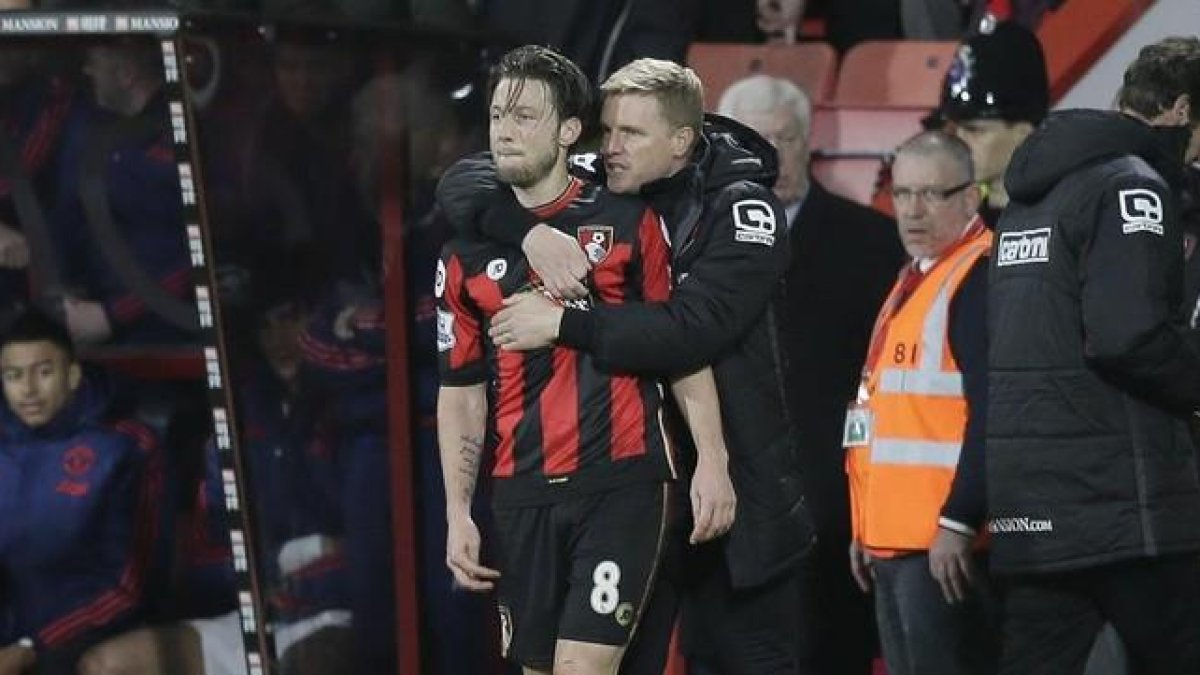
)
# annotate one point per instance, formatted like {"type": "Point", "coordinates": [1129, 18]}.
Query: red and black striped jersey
{"type": "Point", "coordinates": [557, 423]}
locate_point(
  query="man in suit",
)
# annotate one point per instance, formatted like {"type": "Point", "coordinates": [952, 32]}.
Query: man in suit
{"type": "Point", "coordinates": [844, 259]}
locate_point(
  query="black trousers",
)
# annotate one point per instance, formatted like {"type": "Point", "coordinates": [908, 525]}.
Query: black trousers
{"type": "Point", "coordinates": [724, 631]}
{"type": "Point", "coordinates": [729, 631]}
{"type": "Point", "coordinates": [1051, 620]}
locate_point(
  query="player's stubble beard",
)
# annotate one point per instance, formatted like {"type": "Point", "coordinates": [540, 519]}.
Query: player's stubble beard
{"type": "Point", "coordinates": [530, 174]}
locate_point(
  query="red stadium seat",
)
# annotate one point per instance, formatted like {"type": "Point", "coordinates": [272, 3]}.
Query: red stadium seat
{"type": "Point", "coordinates": [810, 65]}
{"type": "Point", "coordinates": [851, 177]}
{"type": "Point", "coordinates": [848, 145]}
{"type": "Point", "coordinates": [863, 129]}
{"type": "Point", "coordinates": [900, 73]}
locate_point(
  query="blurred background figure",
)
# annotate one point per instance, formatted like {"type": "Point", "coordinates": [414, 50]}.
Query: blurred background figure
{"type": "Point", "coordinates": [598, 35]}
{"type": "Point", "coordinates": [118, 220]}
{"type": "Point", "coordinates": [298, 190]}
{"type": "Point", "coordinates": [37, 105]}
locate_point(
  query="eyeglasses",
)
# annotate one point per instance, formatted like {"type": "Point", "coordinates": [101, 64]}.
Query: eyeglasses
{"type": "Point", "coordinates": [927, 195]}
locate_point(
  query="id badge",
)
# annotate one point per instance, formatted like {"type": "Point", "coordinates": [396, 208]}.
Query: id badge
{"type": "Point", "coordinates": [857, 432]}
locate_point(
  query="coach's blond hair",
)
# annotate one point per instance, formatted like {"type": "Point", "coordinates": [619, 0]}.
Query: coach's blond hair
{"type": "Point", "coordinates": [677, 88]}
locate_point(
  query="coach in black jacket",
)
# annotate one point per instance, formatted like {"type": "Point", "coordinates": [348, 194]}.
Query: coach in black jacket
{"type": "Point", "coordinates": [729, 253]}
{"type": "Point", "coordinates": [845, 258]}
{"type": "Point", "coordinates": [1093, 489]}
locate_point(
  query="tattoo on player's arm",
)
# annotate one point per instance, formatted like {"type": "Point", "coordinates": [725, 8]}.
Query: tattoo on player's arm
{"type": "Point", "coordinates": [471, 452]}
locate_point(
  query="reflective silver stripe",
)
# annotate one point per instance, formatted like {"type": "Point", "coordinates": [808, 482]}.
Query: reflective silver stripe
{"type": "Point", "coordinates": [933, 333]}
{"type": "Point", "coordinates": [916, 453]}
{"type": "Point", "coordinates": [925, 383]}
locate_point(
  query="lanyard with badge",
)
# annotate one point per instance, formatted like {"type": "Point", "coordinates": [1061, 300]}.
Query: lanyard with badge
{"type": "Point", "coordinates": [857, 431]}
{"type": "Point", "coordinates": [859, 419]}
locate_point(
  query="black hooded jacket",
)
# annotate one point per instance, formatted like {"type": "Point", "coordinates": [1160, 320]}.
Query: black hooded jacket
{"type": "Point", "coordinates": [729, 245]}
{"type": "Point", "coordinates": [1092, 373]}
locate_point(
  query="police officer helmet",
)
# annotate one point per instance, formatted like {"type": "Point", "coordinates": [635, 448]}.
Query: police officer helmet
{"type": "Point", "coordinates": [998, 73]}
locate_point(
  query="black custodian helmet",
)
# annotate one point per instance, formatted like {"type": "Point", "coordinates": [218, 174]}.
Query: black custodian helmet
{"type": "Point", "coordinates": [998, 73]}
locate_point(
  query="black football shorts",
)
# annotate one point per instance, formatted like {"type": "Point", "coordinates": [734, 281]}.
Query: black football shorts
{"type": "Point", "coordinates": [580, 569]}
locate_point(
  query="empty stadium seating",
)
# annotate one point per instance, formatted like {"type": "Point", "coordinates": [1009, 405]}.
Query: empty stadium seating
{"type": "Point", "coordinates": [811, 65]}
{"type": "Point", "coordinates": [886, 73]}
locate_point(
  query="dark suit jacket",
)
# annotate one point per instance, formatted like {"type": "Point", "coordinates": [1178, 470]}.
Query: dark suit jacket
{"type": "Point", "coordinates": [845, 258]}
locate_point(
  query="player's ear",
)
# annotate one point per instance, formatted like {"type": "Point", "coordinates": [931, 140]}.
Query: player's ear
{"type": "Point", "coordinates": [682, 141]}
{"type": "Point", "coordinates": [569, 131]}
{"type": "Point", "coordinates": [1182, 109]}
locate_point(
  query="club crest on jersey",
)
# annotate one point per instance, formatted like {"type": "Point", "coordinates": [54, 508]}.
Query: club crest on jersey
{"type": "Point", "coordinates": [79, 460]}
{"type": "Point", "coordinates": [596, 240]}
{"type": "Point", "coordinates": [496, 269]}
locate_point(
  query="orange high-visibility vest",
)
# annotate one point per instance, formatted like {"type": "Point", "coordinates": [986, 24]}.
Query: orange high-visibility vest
{"type": "Point", "coordinates": [900, 481]}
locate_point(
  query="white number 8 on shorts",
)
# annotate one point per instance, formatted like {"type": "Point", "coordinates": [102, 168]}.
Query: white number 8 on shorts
{"type": "Point", "coordinates": [605, 595]}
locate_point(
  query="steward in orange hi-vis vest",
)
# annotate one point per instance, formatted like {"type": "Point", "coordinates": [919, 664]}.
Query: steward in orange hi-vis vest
{"type": "Point", "coordinates": [905, 432]}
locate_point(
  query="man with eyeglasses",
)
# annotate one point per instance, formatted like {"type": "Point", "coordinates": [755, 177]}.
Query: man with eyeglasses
{"type": "Point", "coordinates": [914, 432]}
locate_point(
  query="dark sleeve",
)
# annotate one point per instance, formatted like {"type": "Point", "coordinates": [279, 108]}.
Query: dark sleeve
{"type": "Point", "coordinates": [718, 298]}
{"type": "Point", "coordinates": [129, 308]}
{"type": "Point", "coordinates": [474, 202]}
{"type": "Point", "coordinates": [967, 502]}
{"type": "Point", "coordinates": [114, 596]}
{"type": "Point", "coordinates": [7, 633]}
{"type": "Point", "coordinates": [342, 364]}
{"type": "Point", "coordinates": [1130, 298]}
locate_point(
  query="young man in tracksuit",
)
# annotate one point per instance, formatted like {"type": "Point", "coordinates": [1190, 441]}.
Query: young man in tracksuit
{"type": "Point", "coordinates": [710, 179]}
{"type": "Point", "coordinates": [79, 502]}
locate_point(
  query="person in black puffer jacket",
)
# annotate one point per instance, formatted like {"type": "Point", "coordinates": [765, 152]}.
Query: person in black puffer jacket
{"type": "Point", "coordinates": [1092, 480]}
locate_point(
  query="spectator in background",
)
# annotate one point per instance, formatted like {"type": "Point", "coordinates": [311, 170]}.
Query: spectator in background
{"type": "Point", "coordinates": [849, 22]}
{"type": "Point", "coordinates": [1027, 13]}
{"type": "Point", "coordinates": [343, 378]}
{"type": "Point", "coordinates": [831, 306]}
{"type": "Point", "coordinates": [993, 96]}
{"type": "Point", "coordinates": [80, 496]}
{"type": "Point", "coordinates": [118, 219]}
{"type": "Point", "coordinates": [599, 35]}
{"type": "Point", "coordinates": [298, 466]}
{"type": "Point", "coordinates": [769, 20]}
{"type": "Point", "coordinates": [298, 186]}
{"type": "Point", "coordinates": [933, 19]}
{"type": "Point", "coordinates": [914, 432]}
{"type": "Point", "coordinates": [952, 19]}
{"type": "Point", "coordinates": [36, 107]}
